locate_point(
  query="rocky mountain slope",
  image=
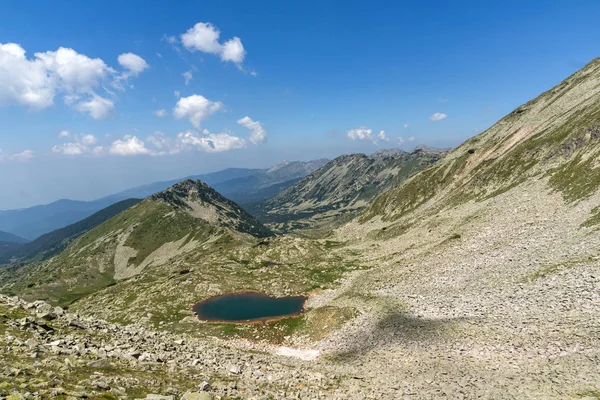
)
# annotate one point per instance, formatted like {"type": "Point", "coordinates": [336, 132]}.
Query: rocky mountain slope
{"type": "Point", "coordinates": [47, 352]}
{"type": "Point", "coordinates": [483, 267]}
{"type": "Point", "coordinates": [174, 222]}
{"type": "Point", "coordinates": [342, 187]}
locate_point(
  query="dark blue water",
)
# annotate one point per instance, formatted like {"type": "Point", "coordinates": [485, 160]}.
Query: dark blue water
{"type": "Point", "coordinates": [248, 307]}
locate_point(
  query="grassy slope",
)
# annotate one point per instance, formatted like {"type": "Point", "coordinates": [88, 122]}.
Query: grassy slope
{"type": "Point", "coordinates": [88, 264]}
{"type": "Point", "coordinates": [56, 241]}
{"type": "Point", "coordinates": [556, 135]}
{"type": "Point", "coordinates": [343, 186]}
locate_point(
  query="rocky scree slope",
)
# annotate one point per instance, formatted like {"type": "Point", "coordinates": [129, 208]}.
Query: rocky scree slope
{"type": "Point", "coordinates": [49, 352]}
{"type": "Point", "coordinates": [342, 187]}
{"type": "Point", "coordinates": [485, 266]}
{"type": "Point", "coordinates": [184, 218]}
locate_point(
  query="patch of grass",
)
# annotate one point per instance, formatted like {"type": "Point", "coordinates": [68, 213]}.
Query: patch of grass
{"type": "Point", "coordinates": [551, 269]}
{"type": "Point", "coordinates": [593, 220]}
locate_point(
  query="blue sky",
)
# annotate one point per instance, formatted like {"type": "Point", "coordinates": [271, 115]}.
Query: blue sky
{"type": "Point", "coordinates": [81, 109]}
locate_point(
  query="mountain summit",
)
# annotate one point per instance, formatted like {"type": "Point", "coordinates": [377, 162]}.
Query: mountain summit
{"type": "Point", "coordinates": [158, 231]}
{"type": "Point", "coordinates": [201, 201]}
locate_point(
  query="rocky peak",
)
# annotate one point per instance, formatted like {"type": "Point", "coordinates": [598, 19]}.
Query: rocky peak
{"type": "Point", "coordinates": [387, 153]}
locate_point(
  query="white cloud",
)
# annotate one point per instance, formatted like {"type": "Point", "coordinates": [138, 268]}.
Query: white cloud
{"type": "Point", "coordinates": [22, 81]}
{"type": "Point", "coordinates": [88, 139]}
{"type": "Point", "coordinates": [128, 146]}
{"type": "Point", "coordinates": [97, 107]}
{"type": "Point", "coordinates": [258, 133]}
{"type": "Point", "coordinates": [210, 142]}
{"type": "Point", "coordinates": [35, 82]}
{"type": "Point", "coordinates": [69, 149]}
{"type": "Point", "coordinates": [437, 116]}
{"type": "Point", "coordinates": [133, 63]}
{"type": "Point", "coordinates": [160, 113]}
{"type": "Point", "coordinates": [159, 55]}
{"type": "Point", "coordinates": [381, 136]}
{"type": "Point", "coordinates": [170, 39]}
{"type": "Point", "coordinates": [74, 72]}
{"type": "Point", "coordinates": [205, 37]}
{"type": "Point", "coordinates": [233, 50]}
{"type": "Point", "coordinates": [402, 140]}
{"type": "Point", "coordinates": [406, 126]}
{"type": "Point", "coordinates": [78, 144]}
{"type": "Point", "coordinates": [24, 156]}
{"type": "Point", "coordinates": [194, 141]}
{"type": "Point", "coordinates": [187, 75]}
{"type": "Point", "coordinates": [364, 133]}
{"type": "Point", "coordinates": [177, 93]}
{"type": "Point", "coordinates": [196, 108]}
{"type": "Point", "coordinates": [162, 143]}
{"type": "Point", "coordinates": [19, 157]}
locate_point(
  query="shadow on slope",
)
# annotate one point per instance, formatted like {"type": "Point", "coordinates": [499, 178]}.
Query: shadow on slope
{"type": "Point", "coordinates": [395, 329]}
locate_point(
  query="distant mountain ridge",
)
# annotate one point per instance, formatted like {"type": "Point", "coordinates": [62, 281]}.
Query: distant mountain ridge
{"type": "Point", "coordinates": [54, 242]}
{"type": "Point", "coordinates": [341, 187]}
{"type": "Point", "coordinates": [10, 238]}
{"type": "Point", "coordinates": [237, 184]}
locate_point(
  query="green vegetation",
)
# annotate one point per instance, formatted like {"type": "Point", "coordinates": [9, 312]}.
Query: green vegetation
{"type": "Point", "coordinates": [594, 219]}
{"type": "Point", "coordinates": [52, 243]}
{"type": "Point", "coordinates": [548, 270]}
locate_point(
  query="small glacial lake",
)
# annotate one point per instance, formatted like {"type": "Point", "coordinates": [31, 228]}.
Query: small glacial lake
{"type": "Point", "coordinates": [248, 307]}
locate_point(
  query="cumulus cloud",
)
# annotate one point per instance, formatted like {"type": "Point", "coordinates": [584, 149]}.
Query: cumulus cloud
{"type": "Point", "coordinates": [160, 113]}
{"type": "Point", "coordinates": [258, 133]}
{"type": "Point", "coordinates": [210, 142]}
{"type": "Point", "coordinates": [204, 37]}
{"type": "Point", "coordinates": [381, 136]}
{"type": "Point", "coordinates": [128, 146]}
{"type": "Point", "coordinates": [35, 82]}
{"type": "Point", "coordinates": [24, 156]}
{"type": "Point", "coordinates": [194, 141]}
{"type": "Point", "coordinates": [97, 107]}
{"type": "Point", "coordinates": [437, 116]}
{"type": "Point", "coordinates": [133, 64]}
{"type": "Point", "coordinates": [364, 133]}
{"type": "Point", "coordinates": [19, 157]}
{"type": "Point", "coordinates": [177, 93]}
{"type": "Point", "coordinates": [187, 75]}
{"type": "Point", "coordinates": [196, 108]}
{"type": "Point", "coordinates": [78, 144]}
{"type": "Point", "coordinates": [406, 126]}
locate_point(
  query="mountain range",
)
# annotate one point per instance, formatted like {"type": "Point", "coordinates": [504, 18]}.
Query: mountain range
{"type": "Point", "coordinates": [341, 188]}
{"type": "Point", "coordinates": [235, 183]}
{"type": "Point", "coordinates": [445, 269]}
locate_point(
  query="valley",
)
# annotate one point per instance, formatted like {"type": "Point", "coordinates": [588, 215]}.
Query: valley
{"type": "Point", "coordinates": [468, 273]}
